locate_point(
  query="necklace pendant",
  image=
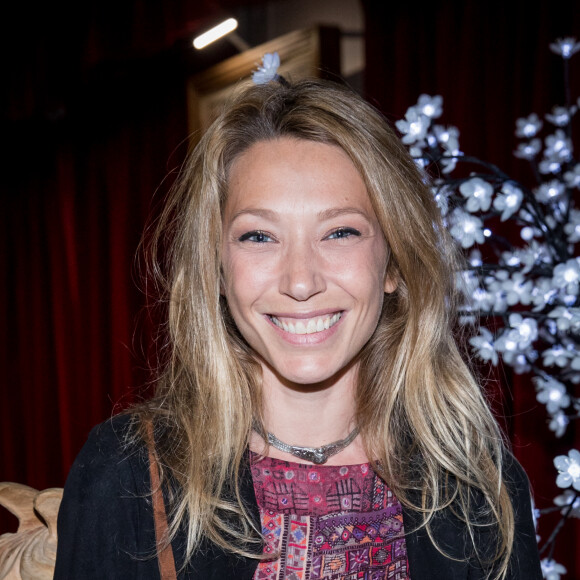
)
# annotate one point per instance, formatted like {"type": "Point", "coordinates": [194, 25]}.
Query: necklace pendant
{"type": "Point", "coordinates": [319, 457]}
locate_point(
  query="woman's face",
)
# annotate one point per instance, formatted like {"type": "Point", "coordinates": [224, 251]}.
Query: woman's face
{"type": "Point", "coordinates": [304, 258]}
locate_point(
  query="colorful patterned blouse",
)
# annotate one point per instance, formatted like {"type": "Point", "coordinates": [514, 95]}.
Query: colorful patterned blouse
{"type": "Point", "coordinates": [328, 522]}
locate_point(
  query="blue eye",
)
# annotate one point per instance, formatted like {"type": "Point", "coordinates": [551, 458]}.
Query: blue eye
{"type": "Point", "coordinates": [342, 233]}
{"type": "Point", "coordinates": [256, 236]}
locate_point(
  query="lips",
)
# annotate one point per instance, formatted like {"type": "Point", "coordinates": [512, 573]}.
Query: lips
{"type": "Point", "coordinates": [306, 325]}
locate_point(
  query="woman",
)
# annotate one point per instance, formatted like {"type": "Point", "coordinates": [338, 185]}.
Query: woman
{"type": "Point", "coordinates": [314, 418]}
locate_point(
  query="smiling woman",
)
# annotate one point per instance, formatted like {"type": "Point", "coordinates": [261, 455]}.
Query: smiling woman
{"type": "Point", "coordinates": [314, 418]}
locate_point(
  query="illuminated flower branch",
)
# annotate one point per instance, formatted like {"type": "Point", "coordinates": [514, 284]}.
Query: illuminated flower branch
{"type": "Point", "coordinates": [523, 287]}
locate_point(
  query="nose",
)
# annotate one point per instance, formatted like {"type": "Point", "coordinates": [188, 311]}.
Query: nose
{"type": "Point", "coordinates": [302, 274]}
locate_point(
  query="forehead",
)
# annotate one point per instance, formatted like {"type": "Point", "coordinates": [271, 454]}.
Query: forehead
{"type": "Point", "coordinates": [288, 172]}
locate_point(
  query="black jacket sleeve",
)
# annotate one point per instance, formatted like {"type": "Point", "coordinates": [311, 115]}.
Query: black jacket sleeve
{"type": "Point", "coordinates": [103, 532]}
{"type": "Point", "coordinates": [106, 528]}
{"type": "Point", "coordinates": [425, 561]}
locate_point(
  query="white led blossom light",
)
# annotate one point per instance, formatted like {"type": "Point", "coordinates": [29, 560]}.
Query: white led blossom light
{"type": "Point", "coordinates": [526, 282]}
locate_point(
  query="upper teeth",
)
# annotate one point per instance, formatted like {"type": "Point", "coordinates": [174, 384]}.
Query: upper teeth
{"type": "Point", "coordinates": [307, 326]}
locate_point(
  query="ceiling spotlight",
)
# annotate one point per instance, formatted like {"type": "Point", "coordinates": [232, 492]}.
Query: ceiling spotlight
{"type": "Point", "coordinates": [216, 32]}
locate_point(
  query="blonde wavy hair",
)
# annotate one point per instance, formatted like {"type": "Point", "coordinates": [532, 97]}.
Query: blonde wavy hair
{"type": "Point", "coordinates": [421, 414]}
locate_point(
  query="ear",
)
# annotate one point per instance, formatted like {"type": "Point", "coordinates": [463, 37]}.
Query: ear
{"type": "Point", "coordinates": [390, 285]}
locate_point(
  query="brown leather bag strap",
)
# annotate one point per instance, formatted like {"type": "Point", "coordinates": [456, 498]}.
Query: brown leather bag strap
{"type": "Point", "coordinates": [164, 552]}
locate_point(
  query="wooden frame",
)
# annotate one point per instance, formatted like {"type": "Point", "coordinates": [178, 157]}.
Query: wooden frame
{"type": "Point", "coordinates": [304, 53]}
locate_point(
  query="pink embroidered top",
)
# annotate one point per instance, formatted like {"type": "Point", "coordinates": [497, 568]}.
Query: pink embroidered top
{"type": "Point", "coordinates": [328, 522]}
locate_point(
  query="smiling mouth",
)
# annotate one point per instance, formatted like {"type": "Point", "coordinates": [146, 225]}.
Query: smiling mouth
{"type": "Point", "coordinates": [308, 325]}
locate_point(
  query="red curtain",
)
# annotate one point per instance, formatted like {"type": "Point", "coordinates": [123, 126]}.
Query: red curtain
{"type": "Point", "coordinates": [491, 63]}
{"type": "Point", "coordinates": [94, 118]}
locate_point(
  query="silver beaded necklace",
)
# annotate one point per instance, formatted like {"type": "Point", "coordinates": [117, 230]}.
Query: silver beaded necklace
{"type": "Point", "coordinates": [317, 455]}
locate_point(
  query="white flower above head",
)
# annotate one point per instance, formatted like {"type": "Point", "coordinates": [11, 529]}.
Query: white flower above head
{"type": "Point", "coordinates": [478, 194]}
{"type": "Point", "coordinates": [528, 126]}
{"type": "Point", "coordinates": [414, 127]}
{"type": "Point", "coordinates": [429, 106]}
{"type": "Point", "coordinates": [565, 47]}
{"type": "Point", "coordinates": [268, 70]}
{"type": "Point", "coordinates": [568, 467]}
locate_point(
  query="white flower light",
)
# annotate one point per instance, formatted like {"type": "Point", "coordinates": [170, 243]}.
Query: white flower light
{"type": "Point", "coordinates": [478, 194]}
{"type": "Point", "coordinates": [414, 127]}
{"type": "Point", "coordinates": [549, 190]}
{"type": "Point", "coordinates": [565, 499]}
{"type": "Point", "coordinates": [484, 346]}
{"type": "Point", "coordinates": [533, 285]}
{"type": "Point", "coordinates": [508, 201]}
{"type": "Point", "coordinates": [430, 106]}
{"type": "Point", "coordinates": [552, 393]}
{"type": "Point", "coordinates": [527, 233]}
{"type": "Point", "coordinates": [572, 228]}
{"type": "Point", "coordinates": [447, 135]}
{"type": "Point", "coordinates": [569, 469]}
{"type": "Point", "coordinates": [528, 150]}
{"type": "Point", "coordinates": [566, 318]}
{"type": "Point", "coordinates": [560, 116]}
{"type": "Point", "coordinates": [528, 126]}
{"type": "Point", "coordinates": [556, 356]}
{"type": "Point", "coordinates": [559, 423]}
{"type": "Point", "coordinates": [565, 47]}
{"type": "Point", "coordinates": [466, 229]}
{"type": "Point", "coordinates": [268, 70]}
{"type": "Point", "coordinates": [572, 177]}
{"type": "Point", "coordinates": [551, 570]}
{"type": "Point", "coordinates": [558, 145]}
{"type": "Point", "coordinates": [567, 275]}
{"type": "Point", "coordinates": [550, 165]}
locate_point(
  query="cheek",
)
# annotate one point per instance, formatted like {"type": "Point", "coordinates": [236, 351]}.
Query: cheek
{"type": "Point", "coordinates": [243, 282]}
{"type": "Point", "coordinates": [364, 272]}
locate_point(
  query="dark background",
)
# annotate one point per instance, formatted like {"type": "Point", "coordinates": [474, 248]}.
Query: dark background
{"type": "Point", "coordinates": [94, 128]}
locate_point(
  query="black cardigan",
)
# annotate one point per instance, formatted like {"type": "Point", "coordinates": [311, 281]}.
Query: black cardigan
{"type": "Point", "coordinates": [106, 529]}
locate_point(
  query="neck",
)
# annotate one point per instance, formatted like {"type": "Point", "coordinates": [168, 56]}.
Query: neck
{"type": "Point", "coordinates": [309, 416]}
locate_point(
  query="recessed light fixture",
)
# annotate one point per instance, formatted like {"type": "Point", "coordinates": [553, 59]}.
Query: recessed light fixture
{"type": "Point", "coordinates": [214, 33]}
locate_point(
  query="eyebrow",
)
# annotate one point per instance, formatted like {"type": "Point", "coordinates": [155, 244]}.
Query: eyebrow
{"type": "Point", "coordinates": [263, 213]}
{"type": "Point", "coordinates": [326, 214]}
{"type": "Point", "coordinates": [334, 212]}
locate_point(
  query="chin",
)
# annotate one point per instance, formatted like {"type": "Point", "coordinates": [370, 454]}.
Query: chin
{"type": "Point", "coordinates": [313, 374]}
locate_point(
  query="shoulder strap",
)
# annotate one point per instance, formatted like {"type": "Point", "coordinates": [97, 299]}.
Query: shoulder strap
{"type": "Point", "coordinates": [164, 552]}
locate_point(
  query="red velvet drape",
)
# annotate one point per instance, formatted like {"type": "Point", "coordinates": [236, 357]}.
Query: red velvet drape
{"type": "Point", "coordinates": [94, 118]}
